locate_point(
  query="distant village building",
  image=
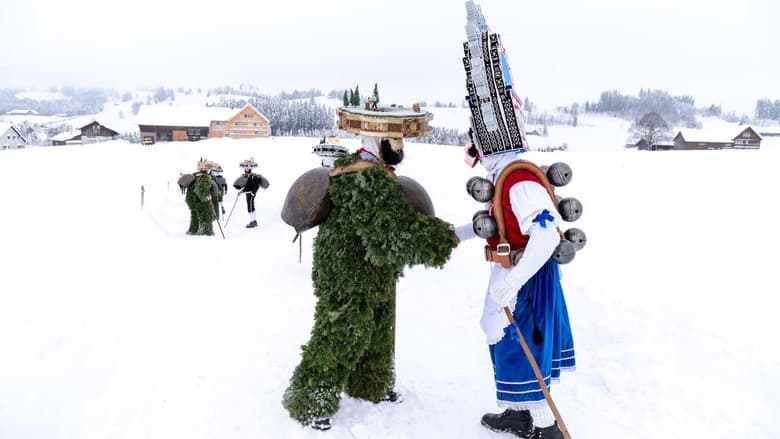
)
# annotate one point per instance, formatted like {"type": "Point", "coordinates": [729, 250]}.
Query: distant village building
{"type": "Point", "coordinates": [161, 123]}
{"type": "Point", "coordinates": [642, 145]}
{"type": "Point", "coordinates": [22, 113]}
{"type": "Point", "coordinates": [11, 138]}
{"type": "Point", "coordinates": [748, 138]}
{"type": "Point", "coordinates": [66, 138]}
{"type": "Point", "coordinates": [94, 132]}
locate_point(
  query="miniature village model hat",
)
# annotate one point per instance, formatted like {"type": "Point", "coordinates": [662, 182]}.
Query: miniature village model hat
{"type": "Point", "coordinates": [390, 122]}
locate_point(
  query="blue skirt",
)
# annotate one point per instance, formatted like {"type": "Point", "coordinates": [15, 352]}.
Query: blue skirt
{"type": "Point", "coordinates": [540, 304]}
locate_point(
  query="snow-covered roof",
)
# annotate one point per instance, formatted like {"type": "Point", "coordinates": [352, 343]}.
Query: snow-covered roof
{"type": "Point", "coordinates": [96, 121]}
{"type": "Point", "coordinates": [705, 136]}
{"type": "Point", "coordinates": [725, 134]}
{"type": "Point", "coordinates": [22, 112]}
{"type": "Point", "coordinates": [189, 116]}
{"type": "Point", "coordinates": [67, 135]}
{"type": "Point", "coordinates": [5, 126]}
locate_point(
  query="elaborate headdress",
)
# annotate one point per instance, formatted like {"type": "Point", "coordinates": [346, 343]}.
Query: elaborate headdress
{"type": "Point", "coordinates": [497, 124]}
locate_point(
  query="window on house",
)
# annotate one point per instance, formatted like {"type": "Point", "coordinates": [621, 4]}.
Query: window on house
{"type": "Point", "coordinates": [746, 134]}
{"type": "Point", "coordinates": [248, 115]}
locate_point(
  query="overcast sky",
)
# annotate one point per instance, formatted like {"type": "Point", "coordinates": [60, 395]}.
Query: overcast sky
{"type": "Point", "coordinates": [560, 51]}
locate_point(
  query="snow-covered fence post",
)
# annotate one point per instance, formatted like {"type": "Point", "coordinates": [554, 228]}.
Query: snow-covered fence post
{"type": "Point", "coordinates": [142, 197]}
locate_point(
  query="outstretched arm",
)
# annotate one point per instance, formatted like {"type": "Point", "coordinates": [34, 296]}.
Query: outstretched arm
{"type": "Point", "coordinates": [392, 232]}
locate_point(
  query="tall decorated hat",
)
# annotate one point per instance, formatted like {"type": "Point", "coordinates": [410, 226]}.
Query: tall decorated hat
{"type": "Point", "coordinates": [497, 122]}
{"type": "Point", "coordinates": [248, 163]}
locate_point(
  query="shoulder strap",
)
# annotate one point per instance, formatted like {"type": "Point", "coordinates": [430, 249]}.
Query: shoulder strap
{"type": "Point", "coordinates": [498, 208]}
{"type": "Point", "coordinates": [358, 166]}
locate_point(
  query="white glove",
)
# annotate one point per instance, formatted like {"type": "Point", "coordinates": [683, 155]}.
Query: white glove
{"type": "Point", "coordinates": [503, 287]}
{"type": "Point", "coordinates": [464, 232]}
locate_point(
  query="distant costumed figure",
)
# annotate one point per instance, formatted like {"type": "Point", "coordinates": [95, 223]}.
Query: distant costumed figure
{"type": "Point", "coordinates": [219, 180]}
{"type": "Point", "coordinates": [525, 318]}
{"type": "Point", "coordinates": [200, 193]}
{"type": "Point", "coordinates": [370, 228]}
{"type": "Point", "coordinates": [249, 183]}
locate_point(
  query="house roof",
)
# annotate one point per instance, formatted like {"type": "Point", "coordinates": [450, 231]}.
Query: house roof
{"type": "Point", "coordinates": [5, 126]}
{"type": "Point", "coordinates": [67, 135]}
{"type": "Point", "coordinates": [181, 116]}
{"type": "Point", "coordinates": [705, 136]}
{"type": "Point", "coordinates": [751, 129]}
{"type": "Point", "coordinates": [22, 112]}
{"type": "Point", "coordinates": [95, 121]}
{"type": "Point", "coordinates": [725, 135]}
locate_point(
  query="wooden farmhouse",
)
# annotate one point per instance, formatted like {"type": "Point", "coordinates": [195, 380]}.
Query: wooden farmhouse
{"type": "Point", "coordinates": [748, 138]}
{"type": "Point", "coordinates": [94, 132]}
{"type": "Point", "coordinates": [166, 123]}
{"type": "Point", "coordinates": [11, 138]}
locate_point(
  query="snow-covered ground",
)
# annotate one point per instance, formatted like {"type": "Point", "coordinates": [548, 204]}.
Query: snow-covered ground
{"type": "Point", "coordinates": [115, 324]}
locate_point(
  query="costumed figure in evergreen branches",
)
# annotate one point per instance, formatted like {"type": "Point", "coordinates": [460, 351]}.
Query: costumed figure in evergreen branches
{"type": "Point", "coordinates": [216, 175]}
{"type": "Point", "coordinates": [199, 198]}
{"type": "Point", "coordinates": [368, 236]}
{"type": "Point", "coordinates": [248, 184]}
{"type": "Point", "coordinates": [520, 223]}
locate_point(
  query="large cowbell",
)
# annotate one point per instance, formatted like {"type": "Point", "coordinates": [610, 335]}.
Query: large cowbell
{"type": "Point", "coordinates": [569, 208]}
{"type": "Point", "coordinates": [496, 110]}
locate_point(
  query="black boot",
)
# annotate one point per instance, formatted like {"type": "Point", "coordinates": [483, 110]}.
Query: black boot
{"type": "Point", "coordinates": [517, 422]}
{"type": "Point", "coordinates": [321, 424]}
{"type": "Point", "coordinates": [251, 224]}
{"type": "Point", "coordinates": [551, 432]}
{"type": "Point", "coordinates": [393, 397]}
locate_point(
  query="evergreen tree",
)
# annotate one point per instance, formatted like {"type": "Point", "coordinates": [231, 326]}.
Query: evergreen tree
{"type": "Point", "coordinates": [356, 97]}
{"type": "Point", "coordinates": [344, 100]}
{"type": "Point", "coordinates": [376, 94]}
{"type": "Point", "coordinates": [351, 97]}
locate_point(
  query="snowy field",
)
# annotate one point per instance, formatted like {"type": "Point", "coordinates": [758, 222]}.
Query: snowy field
{"type": "Point", "coordinates": [115, 324]}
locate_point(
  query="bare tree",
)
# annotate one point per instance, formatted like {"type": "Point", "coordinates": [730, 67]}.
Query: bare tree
{"type": "Point", "coordinates": [653, 128]}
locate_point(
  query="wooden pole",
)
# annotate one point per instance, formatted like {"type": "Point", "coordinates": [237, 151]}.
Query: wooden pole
{"type": "Point", "coordinates": [538, 374]}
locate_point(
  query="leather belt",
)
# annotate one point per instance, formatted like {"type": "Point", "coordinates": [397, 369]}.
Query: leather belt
{"type": "Point", "coordinates": [503, 254]}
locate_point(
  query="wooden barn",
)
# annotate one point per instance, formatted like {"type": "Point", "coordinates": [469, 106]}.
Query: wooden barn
{"type": "Point", "coordinates": [66, 138]}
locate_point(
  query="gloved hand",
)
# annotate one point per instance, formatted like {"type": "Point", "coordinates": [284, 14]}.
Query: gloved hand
{"type": "Point", "coordinates": [503, 286]}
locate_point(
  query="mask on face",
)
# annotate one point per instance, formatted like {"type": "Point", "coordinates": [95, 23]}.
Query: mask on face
{"type": "Point", "coordinates": [471, 155]}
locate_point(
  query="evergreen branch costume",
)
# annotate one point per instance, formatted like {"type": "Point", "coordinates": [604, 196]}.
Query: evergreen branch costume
{"type": "Point", "coordinates": [360, 251]}
{"type": "Point", "coordinates": [197, 199]}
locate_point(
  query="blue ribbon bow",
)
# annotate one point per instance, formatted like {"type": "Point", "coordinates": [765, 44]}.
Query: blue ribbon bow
{"type": "Point", "coordinates": [542, 217]}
